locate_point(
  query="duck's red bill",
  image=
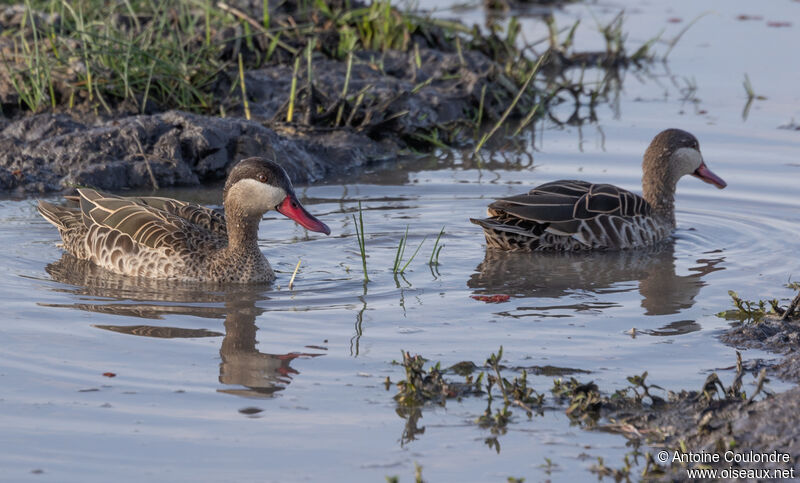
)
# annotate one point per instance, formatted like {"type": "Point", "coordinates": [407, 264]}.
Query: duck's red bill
{"type": "Point", "coordinates": [709, 177]}
{"type": "Point", "coordinates": [292, 208]}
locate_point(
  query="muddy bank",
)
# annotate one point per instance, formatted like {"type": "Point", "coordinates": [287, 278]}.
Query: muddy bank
{"type": "Point", "coordinates": [711, 420]}
{"type": "Point", "coordinates": [775, 335]}
{"type": "Point", "coordinates": [374, 82]}
{"type": "Point", "coordinates": [146, 96]}
{"type": "Point", "coordinates": [51, 152]}
{"type": "Point", "coordinates": [718, 417]}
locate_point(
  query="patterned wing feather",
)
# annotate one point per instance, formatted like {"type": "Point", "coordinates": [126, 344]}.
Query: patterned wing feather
{"type": "Point", "coordinates": [541, 208]}
{"type": "Point", "coordinates": [568, 188]}
{"type": "Point", "coordinates": [568, 215]}
{"type": "Point", "coordinates": [144, 224]}
{"type": "Point", "coordinates": [210, 219]}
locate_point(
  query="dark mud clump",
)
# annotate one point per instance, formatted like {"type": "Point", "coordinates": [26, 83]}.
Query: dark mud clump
{"type": "Point", "coordinates": [778, 331]}
{"type": "Point", "coordinates": [716, 418]}
{"type": "Point", "coordinates": [50, 152]}
{"type": "Point", "coordinates": [712, 420]}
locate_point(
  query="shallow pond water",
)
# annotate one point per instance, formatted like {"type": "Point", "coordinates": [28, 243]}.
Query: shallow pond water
{"type": "Point", "coordinates": [271, 384]}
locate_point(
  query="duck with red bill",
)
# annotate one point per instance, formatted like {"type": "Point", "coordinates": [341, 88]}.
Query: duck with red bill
{"type": "Point", "coordinates": [290, 207]}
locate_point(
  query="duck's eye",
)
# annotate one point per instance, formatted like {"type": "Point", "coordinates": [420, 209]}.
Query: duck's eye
{"type": "Point", "coordinates": [262, 178]}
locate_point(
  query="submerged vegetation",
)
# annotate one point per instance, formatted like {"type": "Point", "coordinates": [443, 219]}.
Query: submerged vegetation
{"type": "Point", "coordinates": [747, 311]}
{"type": "Point", "coordinates": [666, 419]}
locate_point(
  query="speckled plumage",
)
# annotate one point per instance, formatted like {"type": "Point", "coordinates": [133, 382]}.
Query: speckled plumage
{"type": "Point", "coordinates": [571, 215]}
{"type": "Point", "coordinates": [168, 239]}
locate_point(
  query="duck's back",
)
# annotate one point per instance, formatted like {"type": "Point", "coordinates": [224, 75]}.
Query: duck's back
{"type": "Point", "coordinates": [572, 215]}
{"type": "Point", "coordinates": [148, 237]}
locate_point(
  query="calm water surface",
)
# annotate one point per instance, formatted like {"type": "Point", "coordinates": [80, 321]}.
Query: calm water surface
{"type": "Point", "coordinates": [271, 384]}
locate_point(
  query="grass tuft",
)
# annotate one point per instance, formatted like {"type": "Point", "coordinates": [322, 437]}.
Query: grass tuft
{"type": "Point", "coordinates": [508, 110]}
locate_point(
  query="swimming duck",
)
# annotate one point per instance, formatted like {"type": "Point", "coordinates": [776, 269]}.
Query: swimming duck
{"type": "Point", "coordinates": [164, 238]}
{"type": "Point", "coordinates": [577, 215]}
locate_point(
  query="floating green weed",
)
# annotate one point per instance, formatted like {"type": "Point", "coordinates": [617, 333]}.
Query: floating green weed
{"type": "Point", "coordinates": [746, 310]}
{"type": "Point", "coordinates": [751, 95]}
{"type": "Point", "coordinates": [420, 386]}
{"type": "Point", "coordinates": [515, 392]}
{"type": "Point", "coordinates": [584, 399]}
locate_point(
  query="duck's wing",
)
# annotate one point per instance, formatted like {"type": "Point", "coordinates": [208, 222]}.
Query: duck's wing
{"type": "Point", "coordinates": [595, 215]}
{"type": "Point", "coordinates": [201, 216]}
{"type": "Point", "coordinates": [565, 205]}
{"type": "Point", "coordinates": [109, 217]}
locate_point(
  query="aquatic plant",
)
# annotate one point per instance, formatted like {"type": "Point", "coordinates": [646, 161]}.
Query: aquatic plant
{"type": "Point", "coordinates": [638, 384]}
{"type": "Point", "coordinates": [420, 386]}
{"type": "Point", "coordinates": [584, 399]}
{"type": "Point", "coordinates": [751, 95]}
{"type": "Point", "coordinates": [362, 245]}
{"type": "Point", "coordinates": [401, 248]}
{"type": "Point", "coordinates": [746, 310]}
{"type": "Point", "coordinates": [617, 474]}
{"type": "Point", "coordinates": [515, 392]}
{"type": "Point", "coordinates": [793, 305]}
{"type": "Point", "coordinates": [434, 260]}
{"type": "Point", "coordinates": [417, 475]}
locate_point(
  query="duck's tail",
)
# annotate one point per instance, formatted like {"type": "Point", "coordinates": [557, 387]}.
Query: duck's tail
{"type": "Point", "coordinates": [70, 226]}
{"type": "Point", "coordinates": [64, 218]}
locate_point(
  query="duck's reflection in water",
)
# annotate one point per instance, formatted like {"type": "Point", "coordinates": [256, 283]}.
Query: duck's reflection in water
{"type": "Point", "coordinates": [256, 374]}
{"type": "Point", "coordinates": [556, 275]}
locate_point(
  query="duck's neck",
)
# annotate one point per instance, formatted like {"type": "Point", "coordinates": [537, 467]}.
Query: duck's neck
{"type": "Point", "coordinates": [242, 232]}
{"type": "Point", "coordinates": [661, 197]}
{"type": "Point", "coordinates": [658, 185]}
{"type": "Point", "coordinates": [242, 260]}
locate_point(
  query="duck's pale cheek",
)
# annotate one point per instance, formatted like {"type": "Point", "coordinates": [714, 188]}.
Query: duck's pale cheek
{"type": "Point", "coordinates": [686, 161]}
{"type": "Point", "coordinates": [255, 197]}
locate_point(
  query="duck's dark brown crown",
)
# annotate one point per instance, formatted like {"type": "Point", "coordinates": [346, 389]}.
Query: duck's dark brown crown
{"type": "Point", "coordinates": [262, 170]}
